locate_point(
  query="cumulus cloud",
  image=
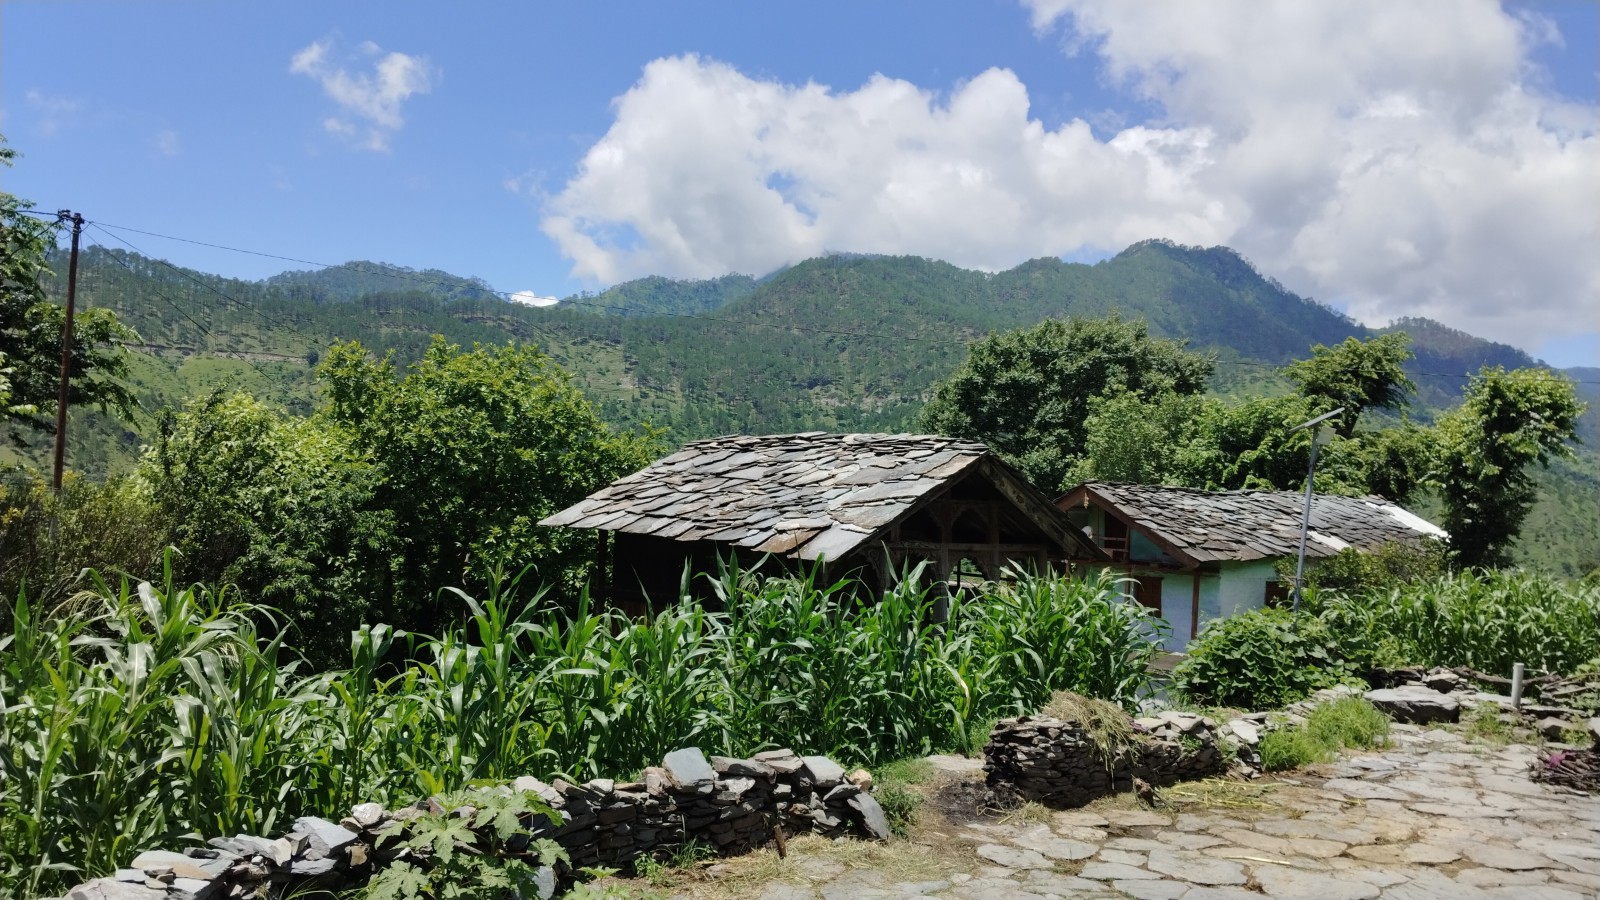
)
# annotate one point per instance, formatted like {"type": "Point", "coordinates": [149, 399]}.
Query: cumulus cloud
{"type": "Point", "coordinates": [370, 101]}
{"type": "Point", "coordinates": [529, 298]}
{"type": "Point", "coordinates": [1393, 158]}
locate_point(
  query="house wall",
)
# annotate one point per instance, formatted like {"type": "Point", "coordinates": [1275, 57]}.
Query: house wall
{"type": "Point", "coordinates": [1244, 586]}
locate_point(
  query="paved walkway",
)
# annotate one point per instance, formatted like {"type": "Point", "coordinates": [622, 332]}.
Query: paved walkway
{"type": "Point", "coordinates": [1433, 817]}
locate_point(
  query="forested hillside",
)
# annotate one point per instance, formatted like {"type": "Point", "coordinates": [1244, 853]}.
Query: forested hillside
{"type": "Point", "coordinates": [837, 343]}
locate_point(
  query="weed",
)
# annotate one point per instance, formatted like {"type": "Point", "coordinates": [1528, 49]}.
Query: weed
{"type": "Point", "coordinates": [1291, 748]}
{"type": "Point", "coordinates": [901, 806]}
{"type": "Point", "coordinates": [1348, 723]}
{"type": "Point", "coordinates": [1482, 723]}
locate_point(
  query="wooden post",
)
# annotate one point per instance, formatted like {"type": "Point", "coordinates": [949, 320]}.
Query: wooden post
{"type": "Point", "coordinates": [1194, 616]}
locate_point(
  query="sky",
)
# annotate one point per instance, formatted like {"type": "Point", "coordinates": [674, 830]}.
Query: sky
{"type": "Point", "coordinates": [1431, 158]}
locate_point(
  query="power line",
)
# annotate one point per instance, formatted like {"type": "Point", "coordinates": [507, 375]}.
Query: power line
{"type": "Point", "coordinates": [421, 279]}
{"type": "Point", "coordinates": [320, 342]}
{"type": "Point", "coordinates": [163, 297]}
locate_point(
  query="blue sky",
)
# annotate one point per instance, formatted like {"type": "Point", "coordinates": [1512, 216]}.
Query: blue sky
{"type": "Point", "coordinates": [1440, 159]}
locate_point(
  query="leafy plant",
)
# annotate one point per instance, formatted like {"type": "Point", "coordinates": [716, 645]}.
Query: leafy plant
{"type": "Point", "coordinates": [1262, 659]}
{"type": "Point", "coordinates": [467, 852]}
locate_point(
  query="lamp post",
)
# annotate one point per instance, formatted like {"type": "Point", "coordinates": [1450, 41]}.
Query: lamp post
{"type": "Point", "coordinates": [1305, 517]}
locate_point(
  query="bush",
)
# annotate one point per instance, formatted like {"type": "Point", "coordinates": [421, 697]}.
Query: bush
{"type": "Point", "coordinates": [1263, 659]}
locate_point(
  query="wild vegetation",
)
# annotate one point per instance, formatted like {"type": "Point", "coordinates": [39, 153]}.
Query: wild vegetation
{"type": "Point", "coordinates": [137, 714]}
{"type": "Point", "coordinates": [1483, 619]}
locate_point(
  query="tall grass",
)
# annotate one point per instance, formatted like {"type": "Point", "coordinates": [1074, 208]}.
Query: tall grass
{"type": "Point", "coordinates": [1487, 619]}
{"type": "Point", "coordinates": [146, 713]}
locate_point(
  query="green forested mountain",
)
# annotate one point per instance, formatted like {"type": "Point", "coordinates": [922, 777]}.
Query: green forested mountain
{"type": "Point", "coordinates": [839, 342]}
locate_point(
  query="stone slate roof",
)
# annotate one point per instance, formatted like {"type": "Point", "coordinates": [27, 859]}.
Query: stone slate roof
{"type": "Point", "coordinates": [1209, 526]}
{"type": "Point", "coordinates": [804, 495]}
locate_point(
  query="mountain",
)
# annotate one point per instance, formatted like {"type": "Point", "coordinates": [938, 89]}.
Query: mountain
{"type": "Point", "coordinates": [842, 342]}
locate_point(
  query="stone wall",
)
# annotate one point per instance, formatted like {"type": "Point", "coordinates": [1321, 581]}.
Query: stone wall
{"type": "Point", "coordinates": [1057, 763]}
{"type": "Point", "coordinates": [732, 805]}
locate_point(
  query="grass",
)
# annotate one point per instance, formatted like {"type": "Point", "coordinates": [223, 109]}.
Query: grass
{"type": "Point", "coordinates": [1107, 724]}
{"type": "Point", "coordinates": [1220, 793]}
{"type": "Point", "coordinates": [1030, 812]}
{"type": "Point", "coordinates": [1482, 723]}
{"type": "Point", "coordinates": [1347, 723]}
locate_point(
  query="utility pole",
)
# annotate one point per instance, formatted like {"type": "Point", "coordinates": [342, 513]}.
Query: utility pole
{"type": "Point", "coordinates": [66, 345]}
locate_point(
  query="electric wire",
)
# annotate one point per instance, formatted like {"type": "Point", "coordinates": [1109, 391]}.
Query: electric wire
{"type": "Point", "coordinates": [163, 297]}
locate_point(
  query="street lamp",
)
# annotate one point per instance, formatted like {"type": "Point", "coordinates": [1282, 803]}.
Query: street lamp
{"type": "Point", "coordinates": [1305, 519]}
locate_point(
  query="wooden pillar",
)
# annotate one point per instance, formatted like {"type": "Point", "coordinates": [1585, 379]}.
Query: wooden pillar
{"type": "Point", "coordinates": [1194, 615]}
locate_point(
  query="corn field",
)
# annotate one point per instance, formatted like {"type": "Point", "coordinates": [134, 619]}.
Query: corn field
{"type": "Point", "coordinates": [139, 714]}
{"type": "Point", "coordinates": [1485, 619]}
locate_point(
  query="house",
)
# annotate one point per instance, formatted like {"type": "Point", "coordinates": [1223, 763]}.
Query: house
{"type": "Point", "coordinates": [862, 503]}
{"type": "Point", "coordinates": [1200, 555]}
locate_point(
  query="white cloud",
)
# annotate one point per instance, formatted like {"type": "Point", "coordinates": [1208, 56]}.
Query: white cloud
{"type": "Point", "coordinates": [1396, 158]}
{"type": "Point", "coordinates": [529, 298]}
{"type": "Point", "coordinates": [370, 101]}
{"type": "Point", "coordinates": [53, 111]}
{"type": "Point", "coordinates": [166, 143]}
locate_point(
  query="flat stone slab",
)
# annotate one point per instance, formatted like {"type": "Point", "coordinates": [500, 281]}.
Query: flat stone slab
{"type": "Point", "coordinates": [1508, 858]}
{"type": "Point", "coordinates": [1106, 871]}
{"type": "Point", "coordinates": [1284, 883]}
{"type": "Point", "coordinates": [1195, 868]}
{"type": "Point", "coordinates": [1137, 818]}
{"type": "Point", "coordinates": [1013, 857]}
{"type": "Point", "coordinates": [1152, 890]}
{"type": "Point", "coordinates": [1041, 840]}
{"type": "Point", "coordinates": [1429, 855]}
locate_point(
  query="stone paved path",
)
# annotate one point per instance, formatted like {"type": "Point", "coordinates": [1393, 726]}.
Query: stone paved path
{"type": "Point", "coordinates": [1433, 817]}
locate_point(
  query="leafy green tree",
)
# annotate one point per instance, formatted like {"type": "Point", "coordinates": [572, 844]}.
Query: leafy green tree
{"type": "Point", "coordinates": [475, 448]}
{"type": "Point", "coordinates": [1027, 393]}
{"type": "Point", "coordinates": [1357, 375]}
{"type": "Point", "coordinates": [283, 508]}
{"type": "Point", "coordinates": [1507, 422]}
{"type": "Point", "coordinates": [31, 326]}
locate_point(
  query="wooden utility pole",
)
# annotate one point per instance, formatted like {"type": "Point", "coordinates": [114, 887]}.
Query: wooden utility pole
{"type": "Point", "coordinates": [66, 346]}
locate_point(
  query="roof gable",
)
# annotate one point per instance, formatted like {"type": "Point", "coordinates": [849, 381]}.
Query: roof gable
{"type": "Point", "coordinates": [807, 495]}
{"type": "Point", "coordinates": [1199, 526]}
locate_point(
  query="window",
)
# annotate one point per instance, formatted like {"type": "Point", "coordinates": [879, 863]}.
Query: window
{"type": "Point", "coordinates": [1147, 592]}
{"type": "Point", "coordinates": [1279, 595]}
{"type": "Point", "coordinates": [1115, 541]}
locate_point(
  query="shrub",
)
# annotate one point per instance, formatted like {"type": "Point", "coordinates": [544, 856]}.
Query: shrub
{"type": "Point", "coordinates": [1263, 659]}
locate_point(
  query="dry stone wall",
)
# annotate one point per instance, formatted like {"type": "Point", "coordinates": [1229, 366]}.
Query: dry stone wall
{"type": "Point", "coordinates": [1059, 764]}
{"type": "Point", "coordinates": [733, 805]}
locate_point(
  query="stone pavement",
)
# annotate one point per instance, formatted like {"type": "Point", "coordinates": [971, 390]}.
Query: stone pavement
{"type": "Point", "coordinates": [1432, 817]}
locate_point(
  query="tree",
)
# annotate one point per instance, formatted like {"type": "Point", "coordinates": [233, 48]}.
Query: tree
{"type": "Point", "coordinates": [283, 508]}
{"type": "Point", "coordinates": [1357, 375]}
{"type": "Point", "coordinates": [1507, 422]}
{"type": "Point", "coordinates": [1027, 393]}
{"type": "Point", "coordinates": [475, 448]}
{"type": "Point", "coordinates": [31, 326]}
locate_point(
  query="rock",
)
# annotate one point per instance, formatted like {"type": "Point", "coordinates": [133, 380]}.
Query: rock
{"type": "Point", "coordinates": [368, 814]}
{"type": "Point", "coordinates": [1415, 704]}
{"type": "Point", "coordinates": [861, 778]}
{"type": "Point", "coordinates": [322, 837]}
{"type": "Point", "coordinates": [1246, 731]}
{"type": "Point", "coordinates": [1107, 871]}
{"type": "Point", "coordinates": [179, 865]}
{"type": "Point", "coordinates": [1196, 869]}
{"type": "Point", "coordinates": [1552, 728]}
{"type": "Point", "coordinates": [112, 889]}
{"type": "Point", "coordinates": [1443, 681]}
{"type": "Point", "coordinates": [306, 868]}
{"type": "Point", "coordinates": [1594, 729]}
{"type": "Point", "coordinates": [872, 819]}
{"type": "Point", "coordinates": [1013, 857]}
{"type": "Point", "coordinates": [1295, 884]}
{"type": "Point", "coordinates": [195, 888]}
{"type": "Point", "coordinates": [741, 768]}
{"type": "Point", "coordinates": [688, 770]}
{"type": "Point", "coordinates": [823, 772]}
